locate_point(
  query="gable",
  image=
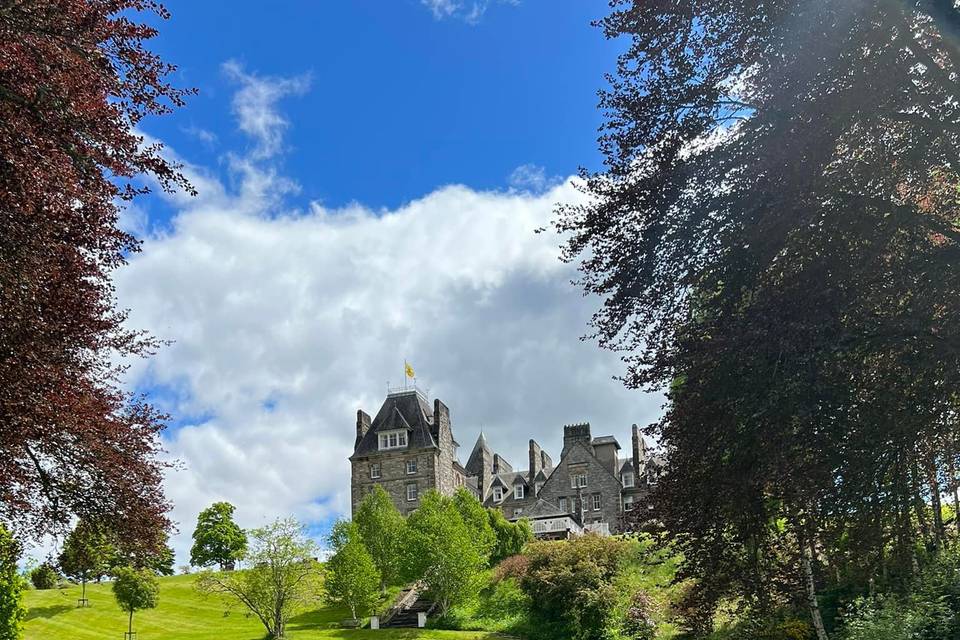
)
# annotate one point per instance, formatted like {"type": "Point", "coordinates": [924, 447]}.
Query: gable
{"type": "Point", "coordinates": [579, 458]}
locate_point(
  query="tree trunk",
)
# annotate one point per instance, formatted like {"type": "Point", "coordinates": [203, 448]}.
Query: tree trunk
{"type": "Point", "coordinates": [83, 589]}
{"type": "Point", "coordinates": [812, 592]}
{"type": "Point", "coordinates": [952, 468]}
{"type": "Point", "coordinates": [130, 625]}
{"type": "Point", "coordinates": [934, 483]}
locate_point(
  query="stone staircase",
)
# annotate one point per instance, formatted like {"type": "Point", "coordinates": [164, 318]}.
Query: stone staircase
{"type": "Point", "coordinates": [406, 612]}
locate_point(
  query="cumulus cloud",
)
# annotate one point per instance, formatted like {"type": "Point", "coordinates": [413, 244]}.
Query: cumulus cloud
{"type": "Point", "coordinates": [532, 177]}
{"type": "Point", "coordinates": [287, 320]}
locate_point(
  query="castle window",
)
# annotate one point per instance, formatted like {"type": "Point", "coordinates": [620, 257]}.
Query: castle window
{"type": "Point", "coordinates": [497, 494]}
{"type": "Point", "coordinates": [375, 470]}
{"type": "Point", "coordinates": [628, 479]}
{"type": "Point", "coordinates": [518, 492]}
{"type": "Point", "coordinates": [411, 492]}
{"type": "Point", "coordinates": [596, 502]}
{"type": "Point", "coordinates": [563, 505]}
{"type": "Point", "coordinates": [411, 466]}
{"type": "Point", "coordinates": [578, 480]}
{"type": "Point", "coordinates": [393, 439]}
{"type": "Point", "coordinates": [627, 503]}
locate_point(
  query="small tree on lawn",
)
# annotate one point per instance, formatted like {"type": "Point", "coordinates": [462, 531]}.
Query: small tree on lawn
{"type": "Point", "coordinates": [44, 577]}
{"type": "Point", "coordinates": [11, 588]}
{"type": "Point", "coordinates": [440, 550]}
{"type": "Point", "coordinates": [283, 579]}
{"type": "Point", "coordinates": [86, 555]}
{"type": "Point", "coordinates": [135, 589]}
{"type": "Point", "coordinates": [381, 529]}
{"type": "Point", "coordinates": [217, 538]}
{"type": "Point", "coordinates": [477, 521]}
{"type": "Point", "coordinates": [352, 576]}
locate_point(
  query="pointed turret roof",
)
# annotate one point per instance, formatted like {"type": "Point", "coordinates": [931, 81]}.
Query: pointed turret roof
{"type": "Point", "coordinates": [481, 452]}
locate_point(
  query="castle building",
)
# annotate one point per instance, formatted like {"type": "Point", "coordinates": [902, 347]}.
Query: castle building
{"type": "Point", "coordinates": [409, 448]}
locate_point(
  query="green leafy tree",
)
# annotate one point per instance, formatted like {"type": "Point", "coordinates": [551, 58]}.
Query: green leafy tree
{"type": "Point", "coordinates": [217, 538]}
{"type": "Point", "coordinates": [86, 554]}
{"type": "Point", "coordinates": [284, 578]}
{"type": "Point", "coordinates": [352, 578]}
{"type": "Point", "coordinates": [510, 537]}
{"type": "Point", "coordinates": [44, 576]}
{"type": "Point", "coordinates": [571, 585]}
{"type": "Point", "coordinates": [12, 612]}
{"type": "Point", "coordinates": [477, 520]}
{"type": "Point", "coordinates": [381, 528]}
{"type": "Point", "coordinates": [440, 551]}
{"type": "Point", "coordinates": [135, 590]}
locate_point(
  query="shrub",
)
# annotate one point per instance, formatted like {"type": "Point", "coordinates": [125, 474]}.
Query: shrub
{"type": "Point", "coordinates": [512, 567]}
{"type": "Point", "coordinates": [44, 577]}
{"type": "Point", "coordinates": [11, 588]}
{"type": "Point", "coordinates": [638, 623]}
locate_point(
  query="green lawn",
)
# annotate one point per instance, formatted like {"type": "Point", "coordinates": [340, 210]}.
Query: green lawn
{"type": "Point", "coordinates": [183, 614]}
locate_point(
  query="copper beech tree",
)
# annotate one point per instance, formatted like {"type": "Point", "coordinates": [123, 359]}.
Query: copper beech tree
{"type": "Point", "coordinates": [75, 81]}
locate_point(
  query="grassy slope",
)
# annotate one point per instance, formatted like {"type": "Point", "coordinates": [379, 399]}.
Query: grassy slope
{"type": "Point", "coordinates": [183, 614]}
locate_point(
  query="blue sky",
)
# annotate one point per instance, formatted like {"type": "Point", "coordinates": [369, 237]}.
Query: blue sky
{"type": "Point", "coordinates": [399, 100]}
{"type": "Point", "coordinates": [370, 177]}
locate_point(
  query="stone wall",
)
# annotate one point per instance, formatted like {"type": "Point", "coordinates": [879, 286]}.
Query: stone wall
{"type": "Point", "coordinates": [394, 477]}
{"type": "Point", "coordinates": [580, 501]}
{"type": "Point", "coordinates": [444, 480]}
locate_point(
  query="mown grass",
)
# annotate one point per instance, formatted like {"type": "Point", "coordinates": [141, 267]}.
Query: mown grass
{"type": "Point", "coordinates": [184, 614]}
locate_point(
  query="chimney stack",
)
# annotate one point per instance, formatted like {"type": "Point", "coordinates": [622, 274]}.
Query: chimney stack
{"type": "Point", "coordinates": [536, 461]}
{"type": "Point", "coordinates": [363, 425]}
{"type": "Point", "coordinates": [639, 453]}
{"type": "Point", "coordinates": [574, 433]}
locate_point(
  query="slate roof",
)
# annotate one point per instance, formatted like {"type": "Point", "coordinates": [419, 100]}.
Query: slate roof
{"type": "Point", "coordinates": [626, 464]}
{"type": "Point", "coordinates": [475, 461]}
{"type": "Point", "coordinates": [543, 509]}
{"type": "Point", "coordinates": [408, 410]}
{"type": "Point", "coordinates": [605, 440]}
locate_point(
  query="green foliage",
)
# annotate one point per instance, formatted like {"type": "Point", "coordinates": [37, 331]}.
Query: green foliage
{"type": "Point", "coordinates": [477, 521]}
{"type": "Point", "coordinates": [571, 586]}
{"type": "Point", "coordinates": [352, 578]}
{"type": "Point", "coordinates": [499, 605]}
{"type": "Point", "coordinates": [638, 623]}
{"type": "Point", "coordinates": [44, 577]}
{"type": "Point", "coordinates": [135, 590]}
{"type": "Point", "coordinates": [510, 536]}
{"type": "Point", "coordinates": [283, 580]}
{"type": "Point", "coordinates": [12, 612]}
{"type": "Point", "coordinates": [381, 528]}
{"type": "Point", "coordinates": [86, 554]}
{"type": "Point", "coordinates": [217, 538]}
{"type": "Point", "coordinates": [440, 551]}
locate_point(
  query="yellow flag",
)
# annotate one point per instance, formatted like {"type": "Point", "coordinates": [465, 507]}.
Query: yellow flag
{"type": "Point", "coordinates": [408, 370]}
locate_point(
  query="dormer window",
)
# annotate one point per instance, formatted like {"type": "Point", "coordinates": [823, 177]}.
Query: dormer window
{"type": "Point", "coordinates": [393, 439]}
{"type": "Point", "coordinates": [518, 492]}
{"type": "Point", "coordinates": [497, 494]}
{"type": "Point", "coordinates": [627, 479]}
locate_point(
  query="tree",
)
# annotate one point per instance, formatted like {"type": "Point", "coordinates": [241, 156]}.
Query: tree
{"type": "Point", "coordinates": [283, 579]}
{"type": "Point", "coordinates": [477, 521]}
{"type": "Point", "coordinates": [774, 236]}
{"type": "Point", "coordinates": [157, 557]}
{"type": "Point", "coordinates": [44, 577]}
{"type": "Point", "coordinates": [86, 555]}
{"type": "Point", "coordinates": [77, 81]}
{"type": "Point", "coordinates": [135, 590]}
{"type": "Point", "coordinates": [217, 538]}
{"type": "Point", "coordinates": [571, 585]}
{"type": "Point", "coordinates": [12, 612]}
{"type": "Point", "coordinates": [439, 550]}
{"type": "Point", "coordinates": [510, 537]}
{"type": "Point", "coordinates": [381, 527]}
{"type": "Point", "coordinates": [352, 577]}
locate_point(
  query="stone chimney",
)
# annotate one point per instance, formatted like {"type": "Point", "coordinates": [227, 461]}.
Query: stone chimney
{"type": "Point", "coordinates": [441, 421]}
{"type": "Point", "coordinates": [574, 433]}
{"type": "Point", "coordinates": [500, 465]}
{"type": "Point", "coordinates": [639, 452]}
{"type": "Point", "coordinates": [363, 425]}
{"type": "Point", "coordinates": [536, 462]}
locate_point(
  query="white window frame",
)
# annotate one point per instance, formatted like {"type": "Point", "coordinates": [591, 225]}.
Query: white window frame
{"type": "Point", "coordinates": [375, 470]}
{"type": "Point", "coordinates": [597, 502]}
{"type": "Point", "coordinates": [396, 439]}
{"type": "Point", "coordinates": [628, 503]}
{"type": "Point", "coordinates": [563, 504]}
{"type": "Point", "coordinates": [578, 481]}
{"type": "Point", "coordinates": [518, 492]}
{"type": "Point", "coordinates": [412, 496]}
{"type": "Point", "coordinates": [628, 479]}
{"type": "Point", "coordinates": [497, 494]}
{"type": "Point", "coordinates": [411, 471]}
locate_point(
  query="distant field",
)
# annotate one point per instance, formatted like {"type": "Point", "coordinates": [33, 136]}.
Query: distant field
{"type": "Point", "coordinates": [183, 614]}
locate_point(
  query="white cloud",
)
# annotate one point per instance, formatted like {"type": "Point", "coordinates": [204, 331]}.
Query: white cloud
{"type": "Point", "coordinates": [531, 177]}
{"type": "Point", "coordinates": [287, 321]}
{"type": "Point", "coordinates": [469, 12]}
{"type": "Point", "coordinates": [255, 102]}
